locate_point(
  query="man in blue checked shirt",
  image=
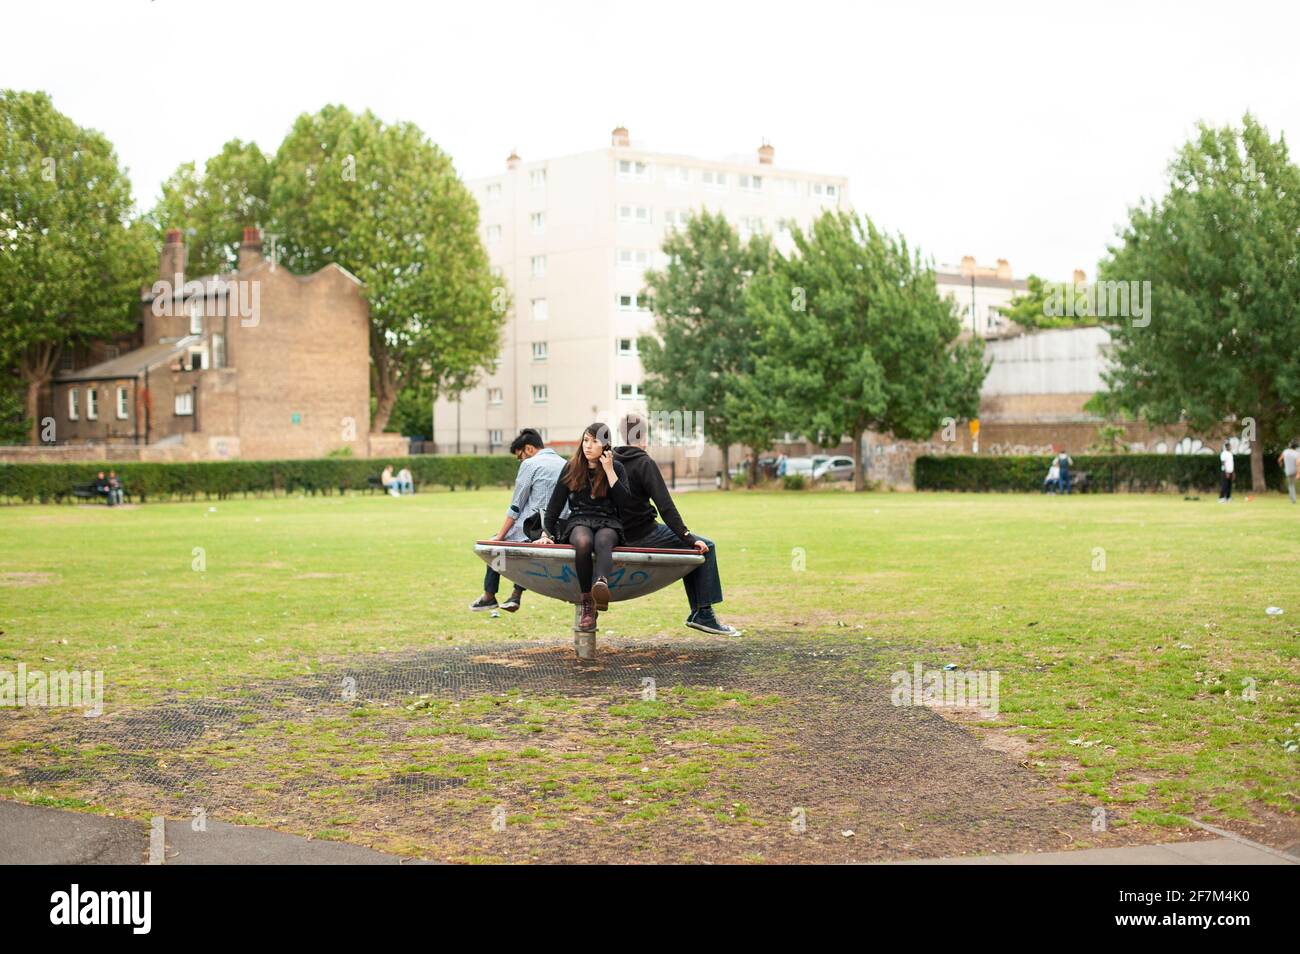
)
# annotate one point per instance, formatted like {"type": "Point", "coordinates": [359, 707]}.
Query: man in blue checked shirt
{"type": "Point", "coordinates": [539, 469]}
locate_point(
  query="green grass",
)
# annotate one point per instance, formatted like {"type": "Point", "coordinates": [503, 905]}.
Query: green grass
{"type": "Point", "coordinates": [1144, 659]}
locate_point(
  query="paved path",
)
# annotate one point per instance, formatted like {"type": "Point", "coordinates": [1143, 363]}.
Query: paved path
{"type": "Point", "coordinates": [32, 835]}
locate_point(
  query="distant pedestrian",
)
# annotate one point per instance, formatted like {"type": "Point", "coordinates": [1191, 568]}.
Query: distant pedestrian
{"type": "Point", "coordinates": [1052, 482]}
{"type": "Point", "coordinates": [1063, 463]}
{"type": "Point", "coordinates": [1288, 459]}
{"type": "Point", "coordinates": [781, 464]}
{"type": "Point", "coordinates": [1226, 468]}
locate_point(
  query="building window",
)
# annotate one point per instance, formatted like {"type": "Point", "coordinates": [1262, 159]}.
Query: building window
{"type": "Point", "coordinates": [677, 217]}
{"type": "Point", "coordinates": [633, 169]}
{"type": "Point", "coordinates": [627, 347]}
{"type": "Point", "coordinates": [67, 360]}
{"type": "Point", "coordinates": [539, 350]}
{"type": "Point", "coordinates": [540, 393]}
{"type": "Point", "coordinates": [218, 351]}
{"type": "Point", "coordinates": [493, 234]}
{"type": "Point", "coordinates": [185, 404]}
{"type": "Point", "coordinates": [538, 221]}
{"type": "Point", "coordinates": [539, 266]}
{"type": "Point", "coordinates": [121, 404]}
{"type": "Point", "coordinates": [713, 179]}
{"type": "Point", "coordinates": [751, 183]}
{"type": "Point", "coordinates": [92, 404]}
{"type": "Point", "coordinates": [826, 189]}
{"type": "Point", "coordinates": [494, 396]}
{"type": "Point", "coordinates": [494, 439]}
{"type": "Point", "coordinates": [198, 359]}
{"type": "Point", "coordinates": [751, 225]}
{"type": "Point", "coordinates": [74, 412]}
{"type": "Point", "coordinates": [541, 311]}
{"type": "Point", "coordinates": [537, 178]}
{"type": "Point", "coordinates": [493, 192]}
{"type": "Point", "coordinates": [638, 214]}
{"type": "Point", "coordinates": [629, 392]}
{"type": "Point", "coordinates": [633, 258]}
{"type": "Point", "coordinates": [677, 177]}
{"type": "Point", "coordinates": [627, 302]}
{"type": "Point", "coordinates": [196, 318]}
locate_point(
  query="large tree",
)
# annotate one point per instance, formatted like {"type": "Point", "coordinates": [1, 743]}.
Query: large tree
{"type": "Point", "coordinates": [703, 341]}
{"type": "Point", "coordinates": [856, 337]}
{"type": "Point", "coordinates": [1222, 253]}
{"type": "Point", "coordinates": [71, 260]}
{"type": "Point", "coordinates": [212, 207]}
{"type": "Point", "coordinates": [385, 203]}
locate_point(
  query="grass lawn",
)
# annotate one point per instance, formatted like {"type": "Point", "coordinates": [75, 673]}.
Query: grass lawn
{"type": "Point", "coordinates": [1138, 667]}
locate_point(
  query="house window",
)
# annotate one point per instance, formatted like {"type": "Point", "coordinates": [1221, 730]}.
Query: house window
{"type": "Point", "coordinates": [541, 312]}
{"type": "Point", "coordinates": [538, 221]}
{"type": "Point", "coordinates": [751, 224]}
{"type": "Point", "coordinates": [198, 359]}
{"type": "Point", "coordinates": [494, 439]}
{"type": "Point", "coordinates": [751, 183]}
{"type": "Point", "coordinates": [73, 411]}
{"type": "Point", "coordinates": [185, 404]}
{"type": "Point", "coordinates": [121, 404]}
{"type": "Point", "coordinates": [218, 351]}
{"type": "Point", "coordinates": [633, 258]}
{"type": "Point", "coordinates": [493, 234]}
{"type": "Point", "coordinates": [494, 396]}
{"type": "Point", "coordinates": [714, 179]}
{"type": "Point", "coordinates": [92, 404]}
{"type": "Point", "coordinates": [539, 350]}
{"type": "Point", "coordinates": [629, 392]}
{"type": "Point", "coordinates": [537, 178]}
{"type": "Point", "coordinates": [677, 177]}
{"type": "Point", "coordinates": [633, 169]}
{"type": "Point", "coordinates": [67, 360]}
{"type": "Point", "coordinates": [196, 318]}
{"type": "Point", "coordinates": [540, 393]}
{"type": "Point", "coordinates": [627, 302]}
{"type": "Point", "coordinates": [539, 266]}
{"type": "Point", "coordinates": [638, 214]}
{"type": "Point", "coordinates": [824, 189]}
{"type": "Point", "coordinates": [493, 192]}
{"type": "Point", "coordinates": [677, 217]}
{"type": "Point", "coordinates": [627, 346]}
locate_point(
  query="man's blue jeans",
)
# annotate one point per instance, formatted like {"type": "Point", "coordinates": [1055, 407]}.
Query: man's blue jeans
{"type": "Point", "coordinates": [703, 584]}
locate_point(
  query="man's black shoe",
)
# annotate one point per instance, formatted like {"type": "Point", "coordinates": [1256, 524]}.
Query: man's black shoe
{"type": "Point", "coordinates": [480, 604]}
{"type": "Point", "coordinates": [704, 620]}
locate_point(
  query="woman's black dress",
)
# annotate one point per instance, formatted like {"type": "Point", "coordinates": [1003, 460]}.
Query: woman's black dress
{"type": "Point", "coordinates": [585, 510]}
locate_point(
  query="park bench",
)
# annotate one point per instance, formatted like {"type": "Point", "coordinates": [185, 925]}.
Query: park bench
{"type": "Point", "coordinates": [88, 492]}
{"type": "Point", "coordinates": [547, 569]}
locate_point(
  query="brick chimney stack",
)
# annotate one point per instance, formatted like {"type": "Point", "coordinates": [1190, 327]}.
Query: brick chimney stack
{"type": "Point", "coordinates": [250, 249]}
{"type": "Point", "coordinates": [620, 137]}
{"type": "Point", "coordinates": [1080, 277]}
{"type": "Point", "coordinates": [172, 261]}
{"type": "Point", "coordinates": [967, 266]}
{"type": "Point", "coordinates": [512, 160]}
{"type": "Point", "coordinates": [1004, 269]}
{"type": "Point", "coordinates": [766, 153]}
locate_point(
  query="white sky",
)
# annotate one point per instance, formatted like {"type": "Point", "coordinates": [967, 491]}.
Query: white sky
{"type": "Point", "coordinates": [1013, 130]}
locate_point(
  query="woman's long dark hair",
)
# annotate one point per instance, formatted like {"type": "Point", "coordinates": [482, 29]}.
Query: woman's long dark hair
{"type": "Point", "coordinates": [577, 473]}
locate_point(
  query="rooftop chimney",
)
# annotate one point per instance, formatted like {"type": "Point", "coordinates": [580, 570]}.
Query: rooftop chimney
{"type": "Point", "coordinates": [250, 249]}
{"type": "Point", "coordinates": [172, 261]}
{"type": "Point", "coordinates": [619, 137]}
{"type": "Point", "coordinates": [765, 153]}
{"type": "Point", "coordinates": [1004, 269]}
{"type": "Point", "coordinates": [967, 266]}
{"type": "Point", "coordinates": [1080, 277]}
{"type": "Point", "coordinates": [512, 160]}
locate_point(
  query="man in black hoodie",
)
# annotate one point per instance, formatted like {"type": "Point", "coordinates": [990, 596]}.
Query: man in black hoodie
{"type": "Point", "coordinates": [641, 529]}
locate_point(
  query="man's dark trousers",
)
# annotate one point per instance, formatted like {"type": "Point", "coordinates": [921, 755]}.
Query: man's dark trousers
{"type": "Point", "coordinates": [703, 584]}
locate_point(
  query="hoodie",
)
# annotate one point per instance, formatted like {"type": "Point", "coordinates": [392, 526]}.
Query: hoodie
{"type": "Point", "coordinates": [645, 484]}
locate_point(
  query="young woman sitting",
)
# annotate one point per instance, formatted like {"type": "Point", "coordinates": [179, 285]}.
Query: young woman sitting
{"type": "Point", "coordinates": [593, 484]}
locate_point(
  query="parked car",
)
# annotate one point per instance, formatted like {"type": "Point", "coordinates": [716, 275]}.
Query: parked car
{"type": "Point", "coordinates": [800, 465]}
{"type": "Point", "coordinates": [834, 468]}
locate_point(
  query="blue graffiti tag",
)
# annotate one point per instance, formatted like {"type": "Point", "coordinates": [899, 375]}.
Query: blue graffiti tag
{"type": "Point", "coordinates": [566, 575]}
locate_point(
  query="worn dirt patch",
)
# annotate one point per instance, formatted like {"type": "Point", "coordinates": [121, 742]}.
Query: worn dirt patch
{"type": "Point", "coordinates": [28, 579]}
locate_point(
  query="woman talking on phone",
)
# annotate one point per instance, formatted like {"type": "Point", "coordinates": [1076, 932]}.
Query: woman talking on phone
{"type": "Point", "coordinates": [593, 484]}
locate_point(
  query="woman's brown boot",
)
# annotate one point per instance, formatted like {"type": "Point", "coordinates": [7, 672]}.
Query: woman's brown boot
{"type": "Point", "coordinates": [600, 594]}
{"type": "Point", "coordinates": [587, 621]}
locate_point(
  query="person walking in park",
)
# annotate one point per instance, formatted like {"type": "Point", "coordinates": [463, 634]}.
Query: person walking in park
{"type": "Point", "coordinates": [594, 486]}
{"type": "Point", "coordinates": [646, 487]}
{"type": "Point", "coordinates": [539, 469]}
{"type": "Point", "coordinates": [1288, 459]}
{"type": "Point", "coordinates": [1226, 468]}
{"type": "Point", "coordinates": [1063, 464]}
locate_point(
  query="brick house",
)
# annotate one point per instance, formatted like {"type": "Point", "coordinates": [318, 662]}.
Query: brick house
{"type": "Point", "coordinates": [256, 364]}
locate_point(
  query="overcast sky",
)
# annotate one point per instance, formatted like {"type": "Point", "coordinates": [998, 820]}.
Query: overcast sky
{"type": "Point", "coordinates": [1001, 130]}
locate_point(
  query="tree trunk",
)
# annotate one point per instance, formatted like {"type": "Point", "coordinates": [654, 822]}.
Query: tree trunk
{"type": "Point", "coordinates": [859, 478]}
{"type": "Point", "coordinates": [726, 466]}
{"type": "Point", "coordinates": [1257, 466]}
{"type": "Point", "coordinates": [31, 407]}
{"type": "Point", "coordinates": [383, 382]}
{"type": "Point", "coordinates": [36, 368]}
{"type": "Point", "coordinates": [753, 469]}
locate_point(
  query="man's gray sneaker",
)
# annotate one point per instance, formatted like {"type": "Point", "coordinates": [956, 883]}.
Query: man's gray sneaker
{"type": "Point", "coordinates": [480, 605]}
{"type": "Point", "coordinates": [704, 620]}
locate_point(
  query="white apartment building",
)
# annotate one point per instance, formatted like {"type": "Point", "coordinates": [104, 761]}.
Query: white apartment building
{"type": "Point", "coordinates": [981, 293]}
{"type": "Point", "coordinates": [572, 238]}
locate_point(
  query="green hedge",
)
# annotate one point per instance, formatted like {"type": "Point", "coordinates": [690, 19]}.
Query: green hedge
{"type": "Point", "coordinates": [220, 479]}
{"type": "Point", "coordinates": [1107, 473]}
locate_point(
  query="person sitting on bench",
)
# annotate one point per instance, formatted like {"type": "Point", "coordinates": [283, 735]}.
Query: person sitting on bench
{"type": "Point", "coordinates": [539, 469]}
{"type": "Point", "coordinates": [595, 487]}
{"type": "Point", "coordinates": [102, 488]}
{"type": "Point", "coordinates": [115, 490]}
{"type": "Point", "coordinates": [646, 484]}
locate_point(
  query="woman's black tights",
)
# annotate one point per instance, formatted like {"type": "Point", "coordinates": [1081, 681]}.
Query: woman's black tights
{"type": "Point", "coordinates": [602, 543]}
